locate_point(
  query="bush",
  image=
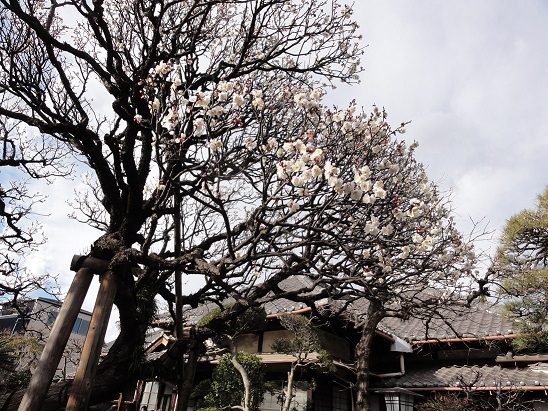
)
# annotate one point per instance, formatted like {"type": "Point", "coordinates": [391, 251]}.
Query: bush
{"type": "Point", "coordinates": [445, 403]}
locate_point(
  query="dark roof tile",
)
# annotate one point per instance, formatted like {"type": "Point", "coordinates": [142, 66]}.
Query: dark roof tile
{"type": "Point", "coordinates": [436, 375]}
{"type": "Point", "coordinates": [478, 322]}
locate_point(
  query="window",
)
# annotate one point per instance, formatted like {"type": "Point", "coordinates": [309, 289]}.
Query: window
{"type": "Point", "coordinates": [331, 397]}
{"type": "Point", "coordinates": [164, 398]}
{"type": "Point", "coordinates": [80, 326]}
{"type": "Point", "coordinates": [150, 395]}
{"type": "Point", "coordinates": [274, 401]}
{"type": "Point", "coordinates": [398, 401]}
{"type": "Point", "coordinates": [156, 396]}
{"type": "Point", "coordinates": [52, 315]}
{"type": "Point", "coordinates": [340, 398]}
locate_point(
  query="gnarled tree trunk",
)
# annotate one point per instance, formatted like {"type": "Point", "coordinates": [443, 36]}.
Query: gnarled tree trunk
{"type": "Point", "coordinates": [363, 356]}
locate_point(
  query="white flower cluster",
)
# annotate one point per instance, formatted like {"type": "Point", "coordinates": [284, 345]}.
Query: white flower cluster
{"type": "Point", "coordinates": [351, 160]}
{"type": "Point", "coordinates": [308, 100]}
{"type": "Point", "coordinates": [206, 108]}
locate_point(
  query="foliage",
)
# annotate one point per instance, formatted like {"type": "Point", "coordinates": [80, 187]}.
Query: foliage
{"type": "Point", "coordinates": [252, 319]}
{"type": "Point", "coordinates": [306, 340]}
{"type": "Point", "coordinates": [6, 354]}
{"type": "Point", "coordinates": [525, 237]}
{"type": "Point", "coordinates": [25, 350]}
{"type": "Point", "coordinates": [521, 261]}
{"type": "Point", "coordinates": [445, 402]}
{"type": "Point", "coordinates": [16, 380]}
{"type": "Point", "coordinates": [18, 354]}
{"type": "Point", "coordinates": [529, 309]}
{"type": "Point", "coordinates": [227, 387]}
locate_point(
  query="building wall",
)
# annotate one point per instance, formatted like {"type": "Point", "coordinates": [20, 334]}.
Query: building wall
{"type": "Point", "coordinates": [270, 336]}
{"type": "Point", "coordinates": [41, 315]}
{"type": "Point", "coordinates": [248, 343]}
{"type": "Point", "coordinates": [338, 347]}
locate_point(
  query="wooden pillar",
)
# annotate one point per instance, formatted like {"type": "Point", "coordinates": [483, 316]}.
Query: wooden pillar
{"type": "Point", "coordinates": [89, 359]}
{"type": "Point", "coordinates": [53, 351]}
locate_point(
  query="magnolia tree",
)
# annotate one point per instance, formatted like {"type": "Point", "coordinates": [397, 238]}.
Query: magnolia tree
{"type": "Point", "coordinates": [217, 158]}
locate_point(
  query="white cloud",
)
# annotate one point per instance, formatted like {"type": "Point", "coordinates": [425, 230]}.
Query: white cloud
{"type": "Point", "coordinates": [473, 79]}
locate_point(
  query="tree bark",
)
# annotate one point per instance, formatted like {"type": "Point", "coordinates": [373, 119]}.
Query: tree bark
{"type": "Point", "coordinates": [363, 357]}
{"type": "Point", "coordinates": [245, 379]}
{"type": "Point", "coordinates": [190, 371]}
{"type": "Point", "coordinates": [289, 393]}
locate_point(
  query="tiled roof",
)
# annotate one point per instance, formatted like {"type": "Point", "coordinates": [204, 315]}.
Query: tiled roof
{"type": "Point", "coordinates": [280, 305]}
{"type": "Point", "coordinates": [479, 322]}
{"type": "Point", "coordinates": [437, 376]}
{"type": "Point", "coordinates": [484, 320]}
{"type": "Point", "coordinates": [509, 358]}
{"type": "Point", "coordinates": [193, 315]}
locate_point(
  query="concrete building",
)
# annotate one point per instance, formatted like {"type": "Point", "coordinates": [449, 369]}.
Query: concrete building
{"type": "Point", "coordinates": [34, 318]}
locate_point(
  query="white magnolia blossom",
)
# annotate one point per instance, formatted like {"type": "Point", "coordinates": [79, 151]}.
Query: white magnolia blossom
{"type": "Point", "coordinates": [288, 147]}
{"type": "Point", "coordinates": [281, 171]}
{"type": "Point", "coordinates": [223, 96]}
{"type": "Point", "coordinates": [294, 206]}
{"type": "Point", "coordinates": [171, 119]}
{"type": "Point", "coordinates": [405, 251]}
{"type": "Point", "coordinates": [216, 111]}
{"type": "Point", "coordinates": [297, 181]}
{"type": "Point", "coordinates": [341, 160]}
{"type": "Point", "coordinates": [155, 105]}
{"type": "Point", "coordinates": [162, 68]}
{"type": "Point", "coordinates": [368, 199]}
{"type": "Point", "coordinates": [317, 155]}
{"type": "Point", "coordinates": [225, 86]}
{"type": "Point", "coordinates": [214, 144]}
{"type": "Point", "coordinates": [356, 194]}
{"type": "Point", "coordinates": [250, 143]}
{"type": "Point", "coordinates": [238, 100]}
{"type": "Point", "coordinates": [378, 189]}
{"type": "Point", "coordinates": [316, 170]}
{"type": "Point", "coordinates": [300, 147]}
{"type": "Point", "coordinates": [258, 103]}
{"type": "Point", "coordinates": [417, 238]}
{"type": "Point", "coordinates": [338, 116]}
{"type": "Point", "coordinates": [387, 230]}
{"type": "Point", "coordinates": [199, 126]}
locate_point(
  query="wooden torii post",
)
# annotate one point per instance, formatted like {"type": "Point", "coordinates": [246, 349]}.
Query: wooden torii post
{"type": "Point", "coordinates": [40, 382]}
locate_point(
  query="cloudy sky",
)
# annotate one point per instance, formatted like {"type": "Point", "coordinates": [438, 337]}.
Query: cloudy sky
{"type": "Point", "coordinates": [471, 76]}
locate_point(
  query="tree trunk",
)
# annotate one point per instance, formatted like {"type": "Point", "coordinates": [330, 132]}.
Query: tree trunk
{"type": "Point", "coordinates": [289, 393]}
{"type": "Point", "coordinates": [190, 371]}
{"type": "Point", "coordinates": [245, 379]}
{"type": "Point", "coordinates": [363, 356]}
